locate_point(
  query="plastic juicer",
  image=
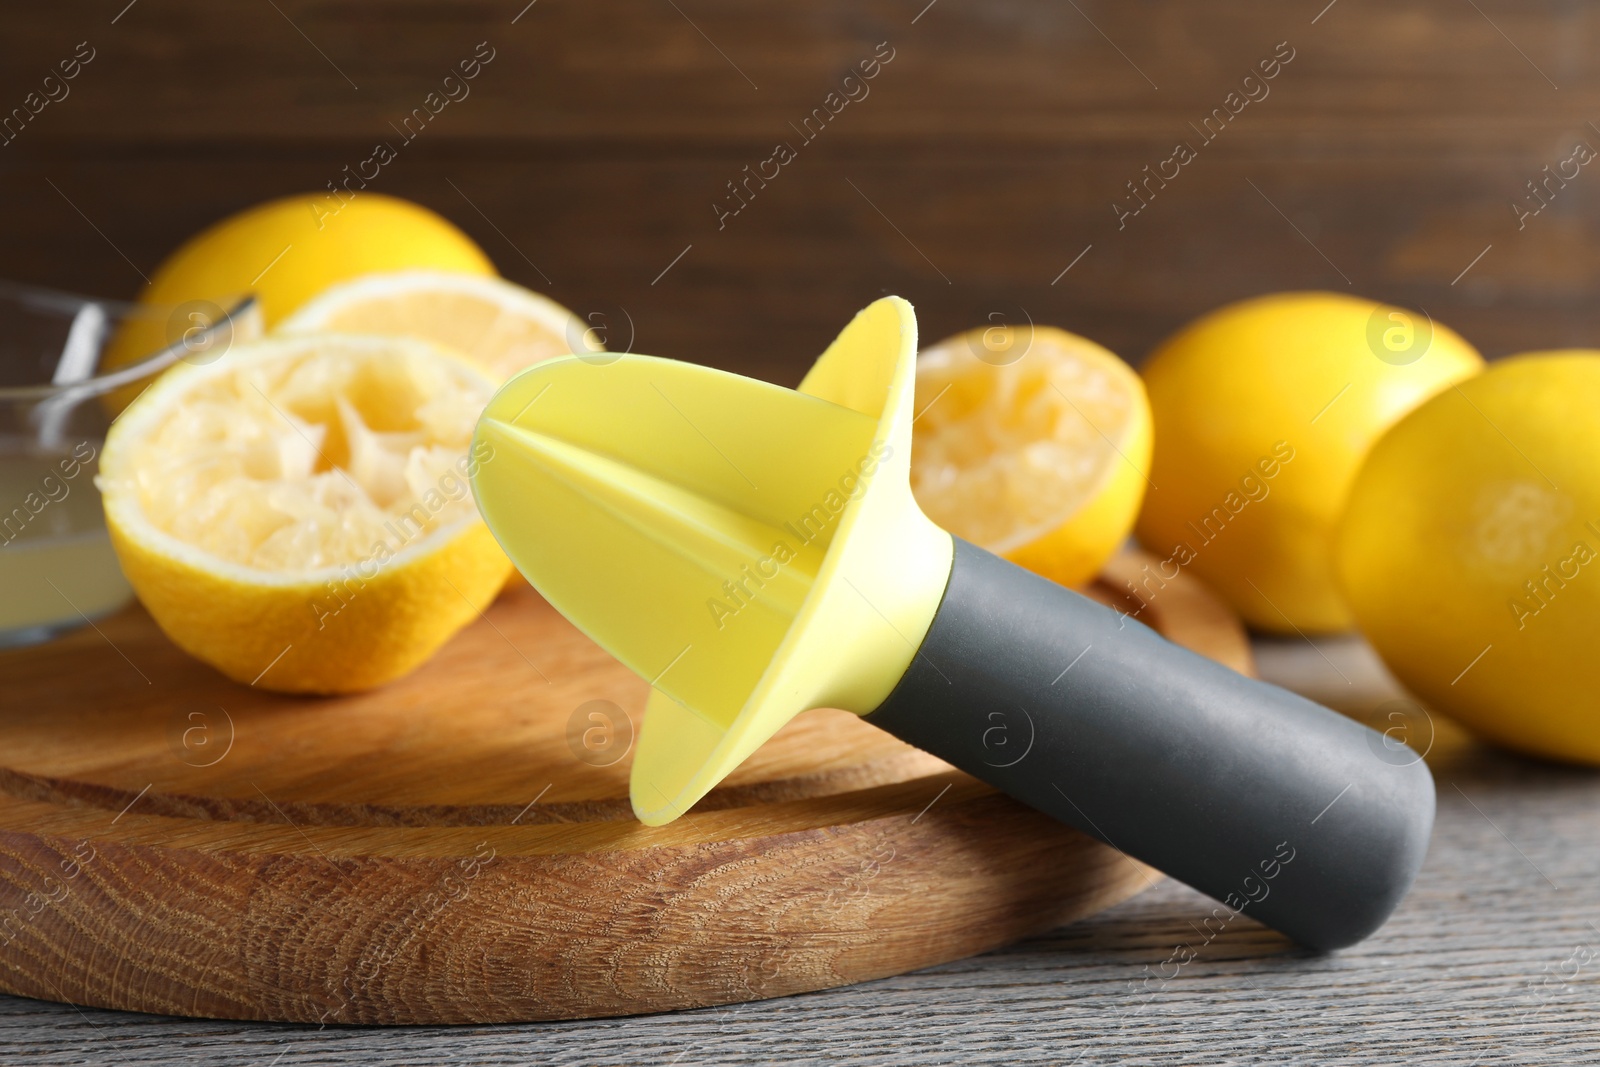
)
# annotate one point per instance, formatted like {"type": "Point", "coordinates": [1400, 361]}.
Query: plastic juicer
{"type": "Point", "coordinates": [755, 551]}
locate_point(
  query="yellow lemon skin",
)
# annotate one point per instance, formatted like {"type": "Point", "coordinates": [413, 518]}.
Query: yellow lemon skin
{"type": "Point", "coordinates": [1470, 553]}
{"type": "Point", "coordinates": [269, 636]}
{"type": "Point", "coordinates": [1263, 411]}
{"type": "Point", "coordinates": [287, 251]}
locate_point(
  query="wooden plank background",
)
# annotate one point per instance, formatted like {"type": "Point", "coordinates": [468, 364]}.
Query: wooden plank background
{"type": "Point", "coordinates": [983, 161]}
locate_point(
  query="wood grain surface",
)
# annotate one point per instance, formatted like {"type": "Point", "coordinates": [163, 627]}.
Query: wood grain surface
{"type": "Point", "coordinates": [1482, 964]}
{"type": "Point", "coordinates": [458, 846]}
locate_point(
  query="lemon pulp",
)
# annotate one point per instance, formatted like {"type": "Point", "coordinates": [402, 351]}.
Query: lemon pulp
{"type": "Point", "coordinates": [1019, 433]}
{"type": "Point", "coordinates": [297, 465]}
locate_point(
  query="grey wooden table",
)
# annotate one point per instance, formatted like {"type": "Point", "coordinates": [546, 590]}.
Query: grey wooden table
{"type": "Point", "coordinates": [1494, 958]}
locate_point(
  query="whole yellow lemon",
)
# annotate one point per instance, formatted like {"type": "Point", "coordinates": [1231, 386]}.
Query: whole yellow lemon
{"type": "Point", "coordinates": [1470, 553]}
{"type": "Point", "coordinates": [285, 252]}
{"type": "Point", "coordinates": [1263, 411]}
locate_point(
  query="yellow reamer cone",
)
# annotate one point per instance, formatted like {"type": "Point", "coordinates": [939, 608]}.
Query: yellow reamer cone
{"type": "Point", "coordinates": [751, 550]}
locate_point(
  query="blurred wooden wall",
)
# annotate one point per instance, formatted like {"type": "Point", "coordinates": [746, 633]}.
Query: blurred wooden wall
{"type": "Point", "coordinates": [984, 160]}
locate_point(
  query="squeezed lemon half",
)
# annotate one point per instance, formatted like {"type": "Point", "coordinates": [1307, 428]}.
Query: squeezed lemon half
{"type": "Point", "coordinates": [1032, 443]}
{"type": "Point", "coordinates": [297, 514]}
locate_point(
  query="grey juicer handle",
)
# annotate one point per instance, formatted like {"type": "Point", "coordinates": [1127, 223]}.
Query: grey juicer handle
{"type": "Point", "coordinates": [1278, 807]}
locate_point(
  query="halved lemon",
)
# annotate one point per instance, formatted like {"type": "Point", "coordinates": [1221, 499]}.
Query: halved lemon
{"type": "Point", "coordinates": [1033, 443]}
{"type": "Point", "coordinates": [298, 513]}
{"type": "Point", "coordinates": [498, 325]}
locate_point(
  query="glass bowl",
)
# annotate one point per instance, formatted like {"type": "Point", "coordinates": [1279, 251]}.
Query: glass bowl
{"type": "Point", "coordinates": [57, 399]}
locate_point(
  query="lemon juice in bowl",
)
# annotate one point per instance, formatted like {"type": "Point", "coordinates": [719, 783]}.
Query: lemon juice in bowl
{"type": "Point", "coordinates": [56, 565]}
{"type": "Point", "coordinates": [57, 568]}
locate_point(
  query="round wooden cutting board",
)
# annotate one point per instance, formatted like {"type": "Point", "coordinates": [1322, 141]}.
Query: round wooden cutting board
{"type": "Point", "coordinates": [458, 847]}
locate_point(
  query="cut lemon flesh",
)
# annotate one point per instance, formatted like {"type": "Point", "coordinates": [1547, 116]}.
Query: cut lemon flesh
{"type": "Point", "coordinates": [1031, 443]}
{"type": "Point", "coordinates": [301, 460]}
{"type": "Point", "coordinates": [298, 514]}
{"type": "Point", "coordinates": [498, 325]}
